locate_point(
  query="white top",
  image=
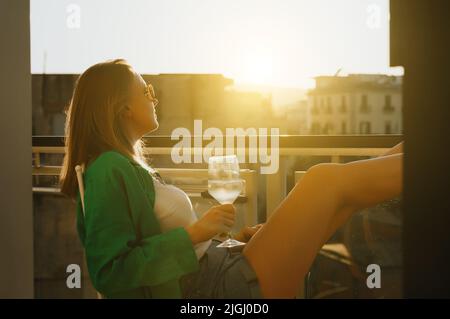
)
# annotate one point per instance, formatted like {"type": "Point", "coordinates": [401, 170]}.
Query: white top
{"type": "Point", "coordinates": [173, 208]}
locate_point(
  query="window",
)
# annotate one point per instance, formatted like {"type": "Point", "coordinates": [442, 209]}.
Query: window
{"type": "Point", "coordinates": [328, 128]}
{"type": "Point", "coordinates": [387, 101]}
{"type": "Point", "coordinates": [343, 108]}
{"type": "Point", "coordinates": [364, 127]}
{"type": "Point", "coordinates": [387, 104]}
{"type": "Point", "coordinates": [314, 110]}
{"type": "Point", "coordinates": [344, 128]}
{"type": "Point", "coordinates": [315, 128]}
{"type": "Point", "coordinates": [364, 104]}
{"type": "Point", "coordinates": [329, 106]}
{"type": "Point", "coordinates": [315, 106]}
{"type": "Point", "coordinates": [388, 128]}
{"type": "Point", "coordinates": [329, 110]}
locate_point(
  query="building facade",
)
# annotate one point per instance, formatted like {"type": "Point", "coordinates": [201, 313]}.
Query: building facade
{"type": "Point", "coordinates": [356, 104]}
{"type": "Point", "coordinates": [183, 98]}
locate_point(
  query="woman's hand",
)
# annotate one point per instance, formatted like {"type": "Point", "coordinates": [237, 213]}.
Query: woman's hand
{"type": "Point", "coordinates": [247, 232]}
{"type": "Point", "coordinates": [218, 219]}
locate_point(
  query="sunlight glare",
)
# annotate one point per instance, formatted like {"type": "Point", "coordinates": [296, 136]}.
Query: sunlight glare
{"type": "Point", "coordinates": [257, 68]}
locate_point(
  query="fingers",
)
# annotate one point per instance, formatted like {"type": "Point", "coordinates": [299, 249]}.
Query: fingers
{"type": "Point", "coordinates": [225, 229]}
{"type": "Point", "coordinates": [228, 222]}
{"type": "Point", "coordinates": [227, 208]}
{"type": "Point", "coordinates": [227, 211]}
{"type": "Point", "coordinates": [253, 229]}
{"type": "Point", "coordinates": [249, 231]}
{"type": "Point", "coordinates": [225, 215]}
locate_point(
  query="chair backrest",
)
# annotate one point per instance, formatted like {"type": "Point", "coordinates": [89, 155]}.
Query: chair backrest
{"type": "Point", "coordinates": [79, 169]}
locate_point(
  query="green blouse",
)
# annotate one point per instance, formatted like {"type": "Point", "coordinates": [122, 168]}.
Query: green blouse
{"type": "Point", "coordinates": [127, 255]}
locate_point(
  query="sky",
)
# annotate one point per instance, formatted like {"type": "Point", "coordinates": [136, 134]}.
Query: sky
{"type": "Point", "coordinates": [266, 42]}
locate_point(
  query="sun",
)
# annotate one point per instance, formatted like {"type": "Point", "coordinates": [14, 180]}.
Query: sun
{"type": "Point", "coordinates": [256, 68]}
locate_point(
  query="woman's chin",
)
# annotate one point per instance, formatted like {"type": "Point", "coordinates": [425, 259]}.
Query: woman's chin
{"type": "Point", "coordinates": [155, 127]}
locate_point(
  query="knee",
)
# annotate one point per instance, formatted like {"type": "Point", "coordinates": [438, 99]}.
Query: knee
{"type": "Point", "coordinates": [329, 170]}
{"type": "Point", "coordinates": [324, 176]}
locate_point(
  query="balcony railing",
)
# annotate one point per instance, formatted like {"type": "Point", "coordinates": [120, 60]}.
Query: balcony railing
{"type": "Point", "coordinates": [194, 180]}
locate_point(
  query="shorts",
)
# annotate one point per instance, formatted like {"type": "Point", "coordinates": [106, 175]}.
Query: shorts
{"type": "Point", "coordinates": [222, 275]}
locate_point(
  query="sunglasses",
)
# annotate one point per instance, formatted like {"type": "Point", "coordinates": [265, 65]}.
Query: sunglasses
{"type": "Point", "coordinates": [150, 94]}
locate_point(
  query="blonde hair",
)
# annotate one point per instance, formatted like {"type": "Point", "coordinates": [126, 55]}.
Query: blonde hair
{"type": "Point", "coordinates": [93, 124]}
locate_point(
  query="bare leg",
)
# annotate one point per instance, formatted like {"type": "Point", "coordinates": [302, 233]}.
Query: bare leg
{"type": "Point", "coordinates": [357, 188]}
{"type": "Point", "coordinates": [282, 251]}
{"type": "Point", "coordinates": [395, 149]}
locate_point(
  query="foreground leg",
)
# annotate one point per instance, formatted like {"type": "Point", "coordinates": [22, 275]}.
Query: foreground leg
{"type": "Point", "coordinates": [355, 183]}
{"type": "Point", "coordinates": [282, 251]}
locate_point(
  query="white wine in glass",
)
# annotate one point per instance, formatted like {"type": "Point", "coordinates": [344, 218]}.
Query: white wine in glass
{"type": "Point", "coordinates": [225, 185]}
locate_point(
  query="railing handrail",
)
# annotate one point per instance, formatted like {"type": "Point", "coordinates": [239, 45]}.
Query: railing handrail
{"type": "Point", "coordinates": [285, 141]}
{"type": "Point", "coordinates": [303, 145]}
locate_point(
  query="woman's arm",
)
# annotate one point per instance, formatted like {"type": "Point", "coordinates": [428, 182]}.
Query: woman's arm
{"type": "Point", "coordinates": [118, 258]}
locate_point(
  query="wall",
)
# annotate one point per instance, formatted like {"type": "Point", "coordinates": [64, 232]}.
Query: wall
{"type": "Point", "coordinates": [16, 219]}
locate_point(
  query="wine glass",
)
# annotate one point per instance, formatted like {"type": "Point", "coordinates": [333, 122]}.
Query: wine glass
{"type": "Point", "coordinates": [225, 186]}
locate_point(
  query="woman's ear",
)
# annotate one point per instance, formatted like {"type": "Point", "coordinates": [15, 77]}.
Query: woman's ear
{"type": "Point", "coordinates": [127, 113]}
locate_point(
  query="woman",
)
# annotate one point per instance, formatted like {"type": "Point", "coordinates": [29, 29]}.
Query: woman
{"type": "Point", "coordinates": [142, 238]}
